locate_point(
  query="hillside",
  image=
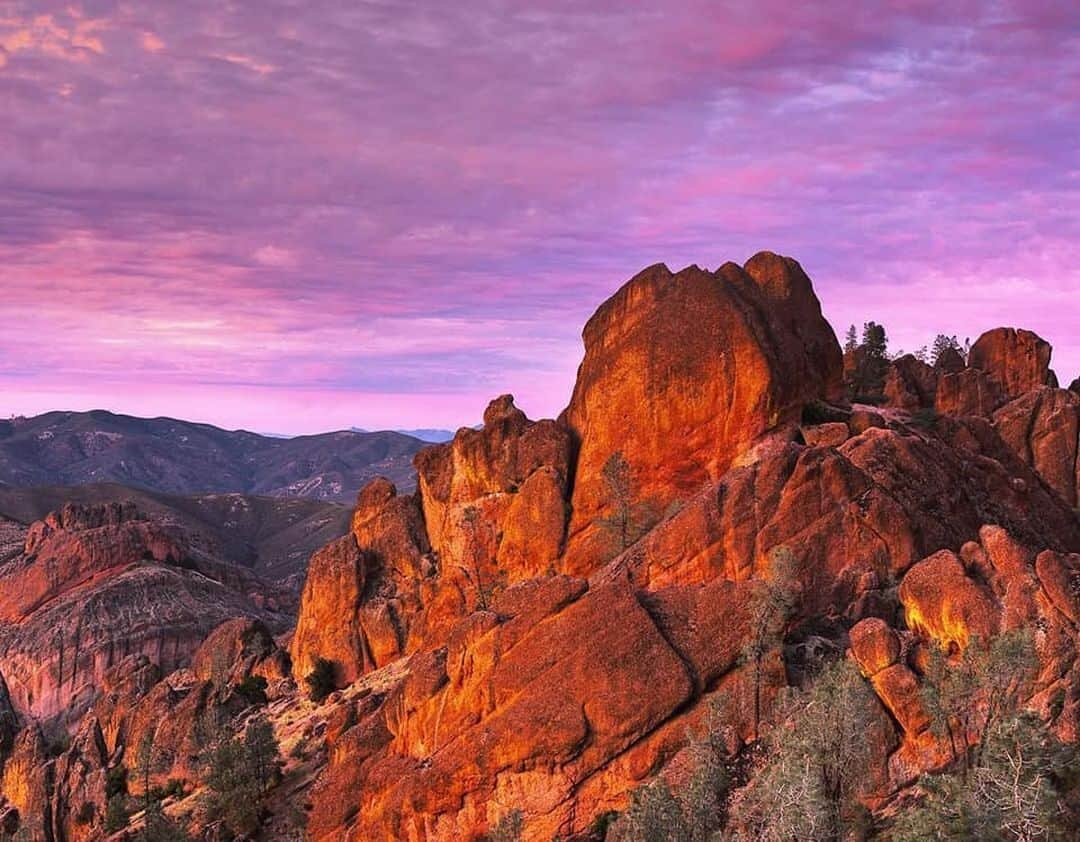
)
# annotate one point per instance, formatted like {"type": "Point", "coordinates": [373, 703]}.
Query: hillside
{"type": "Point", "coordinates": [273, 536]}
{"type": "Point", "coordinates": [180, 457]}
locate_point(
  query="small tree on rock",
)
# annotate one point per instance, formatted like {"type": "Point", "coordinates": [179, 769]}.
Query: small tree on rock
{"type": "Point", "coordinates": [816, 762]}
{"type": "Point", "coordinates": [629, 519]}
{"type": "Point", "coordinates": [770, 608]}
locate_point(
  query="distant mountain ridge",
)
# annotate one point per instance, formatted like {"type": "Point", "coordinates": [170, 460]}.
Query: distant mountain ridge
{"type": "Point", "coordinates": [425, 434]}
{"type": "Point", "coordinates": [181, 457]}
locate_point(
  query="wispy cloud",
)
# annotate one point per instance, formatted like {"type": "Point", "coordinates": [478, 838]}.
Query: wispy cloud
{"type": "Point", "coordinates": [429, 199]}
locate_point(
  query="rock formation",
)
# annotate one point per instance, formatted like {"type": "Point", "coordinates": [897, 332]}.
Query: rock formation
{"type": "Point", "coordinates": [534, 698]}
{"type": "Point", "coordinates": [1017, 360]}
{"type": "Point", "coordinates": [563, 606]}
{"type": "Point", "coordinates": [682, 374]}
{"type": "Point", "coordinates": [96, 584]}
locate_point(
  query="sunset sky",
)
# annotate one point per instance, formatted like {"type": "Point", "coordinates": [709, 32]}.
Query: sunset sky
{"type": "Point", "coordinates": [301, 216]}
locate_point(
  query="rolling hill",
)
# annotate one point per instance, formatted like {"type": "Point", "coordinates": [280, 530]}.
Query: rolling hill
{"type": "Point", "coordinates": [181, 457]}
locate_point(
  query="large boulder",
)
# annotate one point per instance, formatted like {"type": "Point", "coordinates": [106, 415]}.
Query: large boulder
{"type": "Point", "coordinates": [1018, 360]}
{"type": "Point", "coordinates": [328, 624]}
{"type": "Point", "coordinates": [682, 374]}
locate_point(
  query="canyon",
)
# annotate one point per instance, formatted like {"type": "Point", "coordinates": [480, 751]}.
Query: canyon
{"type": "Point", "coordinates": [561, 607]}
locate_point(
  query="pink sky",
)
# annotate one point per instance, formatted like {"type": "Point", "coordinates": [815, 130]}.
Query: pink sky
{"type": "Point", "coordinates": [294, 217]}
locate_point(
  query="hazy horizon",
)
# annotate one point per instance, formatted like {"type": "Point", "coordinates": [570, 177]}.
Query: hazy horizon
{"type": "Point", "coordinates": [385, 215]}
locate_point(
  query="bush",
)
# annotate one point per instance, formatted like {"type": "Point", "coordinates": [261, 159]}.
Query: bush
{"type": "Point", "coordinates": [924, 418]}
{"type": "Point", "coordinates": [252, 690]}
{"type": "Point", "coordinates": [602, 823]}
{"type": "Point", "coordinates": [240, 773]}
{"type": "Point", "coordinates": [322, 680]}
{"type": "Point", "coordinates": [508, 829]}
{"type": "Point", "coordinates": [59, 745]}
{"type": "Point", "coordinates": [173, 789]}
{"type": "Point", "coordinates": [116, 782]}
{"type": "Point", "coordinates": [116, 814]}
{"type": "Point", "coordinates": [157, 827]}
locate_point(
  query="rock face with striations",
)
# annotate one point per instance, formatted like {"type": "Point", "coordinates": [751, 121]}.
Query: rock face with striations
{"type": "Point", "coordinates": [682, 374]}
{"type": "Point", "coordinates": [95, 584]}
{"type": "Point", "coordinates": [1043, 428]}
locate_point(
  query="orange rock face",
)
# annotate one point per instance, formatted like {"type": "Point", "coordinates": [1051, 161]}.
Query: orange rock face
{"type": "Point", "coordinates": [1017, 360]}
{"type": "Point", "coordinates": [493, 498]}
{"type": "Point", "coordinates": [521, 701]}
{"type": "Point", "coordinates": [329, 625]}
{"type": "Point", "coordinates": [682, 374]}
{"type": "Point", "coordinates": [970, 391]}
{"type": "Point", "coordinates": [942, 602]}
{"type": "Point", "coordinates": [993, 584]}
{"type": "Point", "coordinates": [1043, 428]}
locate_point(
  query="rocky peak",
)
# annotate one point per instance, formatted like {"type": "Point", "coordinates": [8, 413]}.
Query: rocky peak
{"type": "Point", "coordinates": [682, 374]}
{"type": "Point", "coordinates": [71, 546]}
{"type": "Point", "coordinates": [1018, 360]}
{"type": "Point", "coordinates": [501, 411]}
{"type": "Point", "coordinates": [74, 517]}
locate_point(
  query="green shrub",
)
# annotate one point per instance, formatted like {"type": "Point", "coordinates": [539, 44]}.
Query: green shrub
{"type": "Point", "coordinates": [601, 823]}
{"type": "Point", "coordinates": [924, 417]}
{"type": "Point", "coordinates": [252, 689]}
{"type": "Point", "coordinates": [508, 828]}
{"type": "Point", "coordinates": [116, 781]}
{"type": "Point", "coordinates": [59, 745]}
{"type": "Point", "coordinates": [322, 680]}
{"type": "Point", "coordinates": [116, 814]}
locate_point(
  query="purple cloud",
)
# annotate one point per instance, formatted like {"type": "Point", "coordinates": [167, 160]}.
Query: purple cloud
{"type": "Point", "coordinates": [388, 213]}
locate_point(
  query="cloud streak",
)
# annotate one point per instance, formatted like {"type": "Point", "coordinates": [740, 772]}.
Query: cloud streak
{"type": "Point", "coordinates": [412, 206]}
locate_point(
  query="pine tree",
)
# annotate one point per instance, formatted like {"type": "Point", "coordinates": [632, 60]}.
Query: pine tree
{"type": "Point", "coordinates": [770, 608]}
{"type": "Point", "coordinates": [817, 761]}
{"type": "Point", "coordinates": [144, 764]}
{"type": "Point", "coordinates": [629, 520]}
{"type": "Point", "coordinates": [1017, 791]}
{"type": "Point", "coordinates": [475, 549]}
{"type": "Point", "coordinates": [261, 747]}
{"type": "Point", "coordinates": [968, 693]}
{"type": "Point", "coordinates": [322, 680]}
{"type": "Point", "coordinates": [871, 364]}
{"type": "Point", "coordinates": [235, 792]}
{"type": "Point", "coordinates": [850, 340]}
{"type": "Point", "coordinates": [942, 343]}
